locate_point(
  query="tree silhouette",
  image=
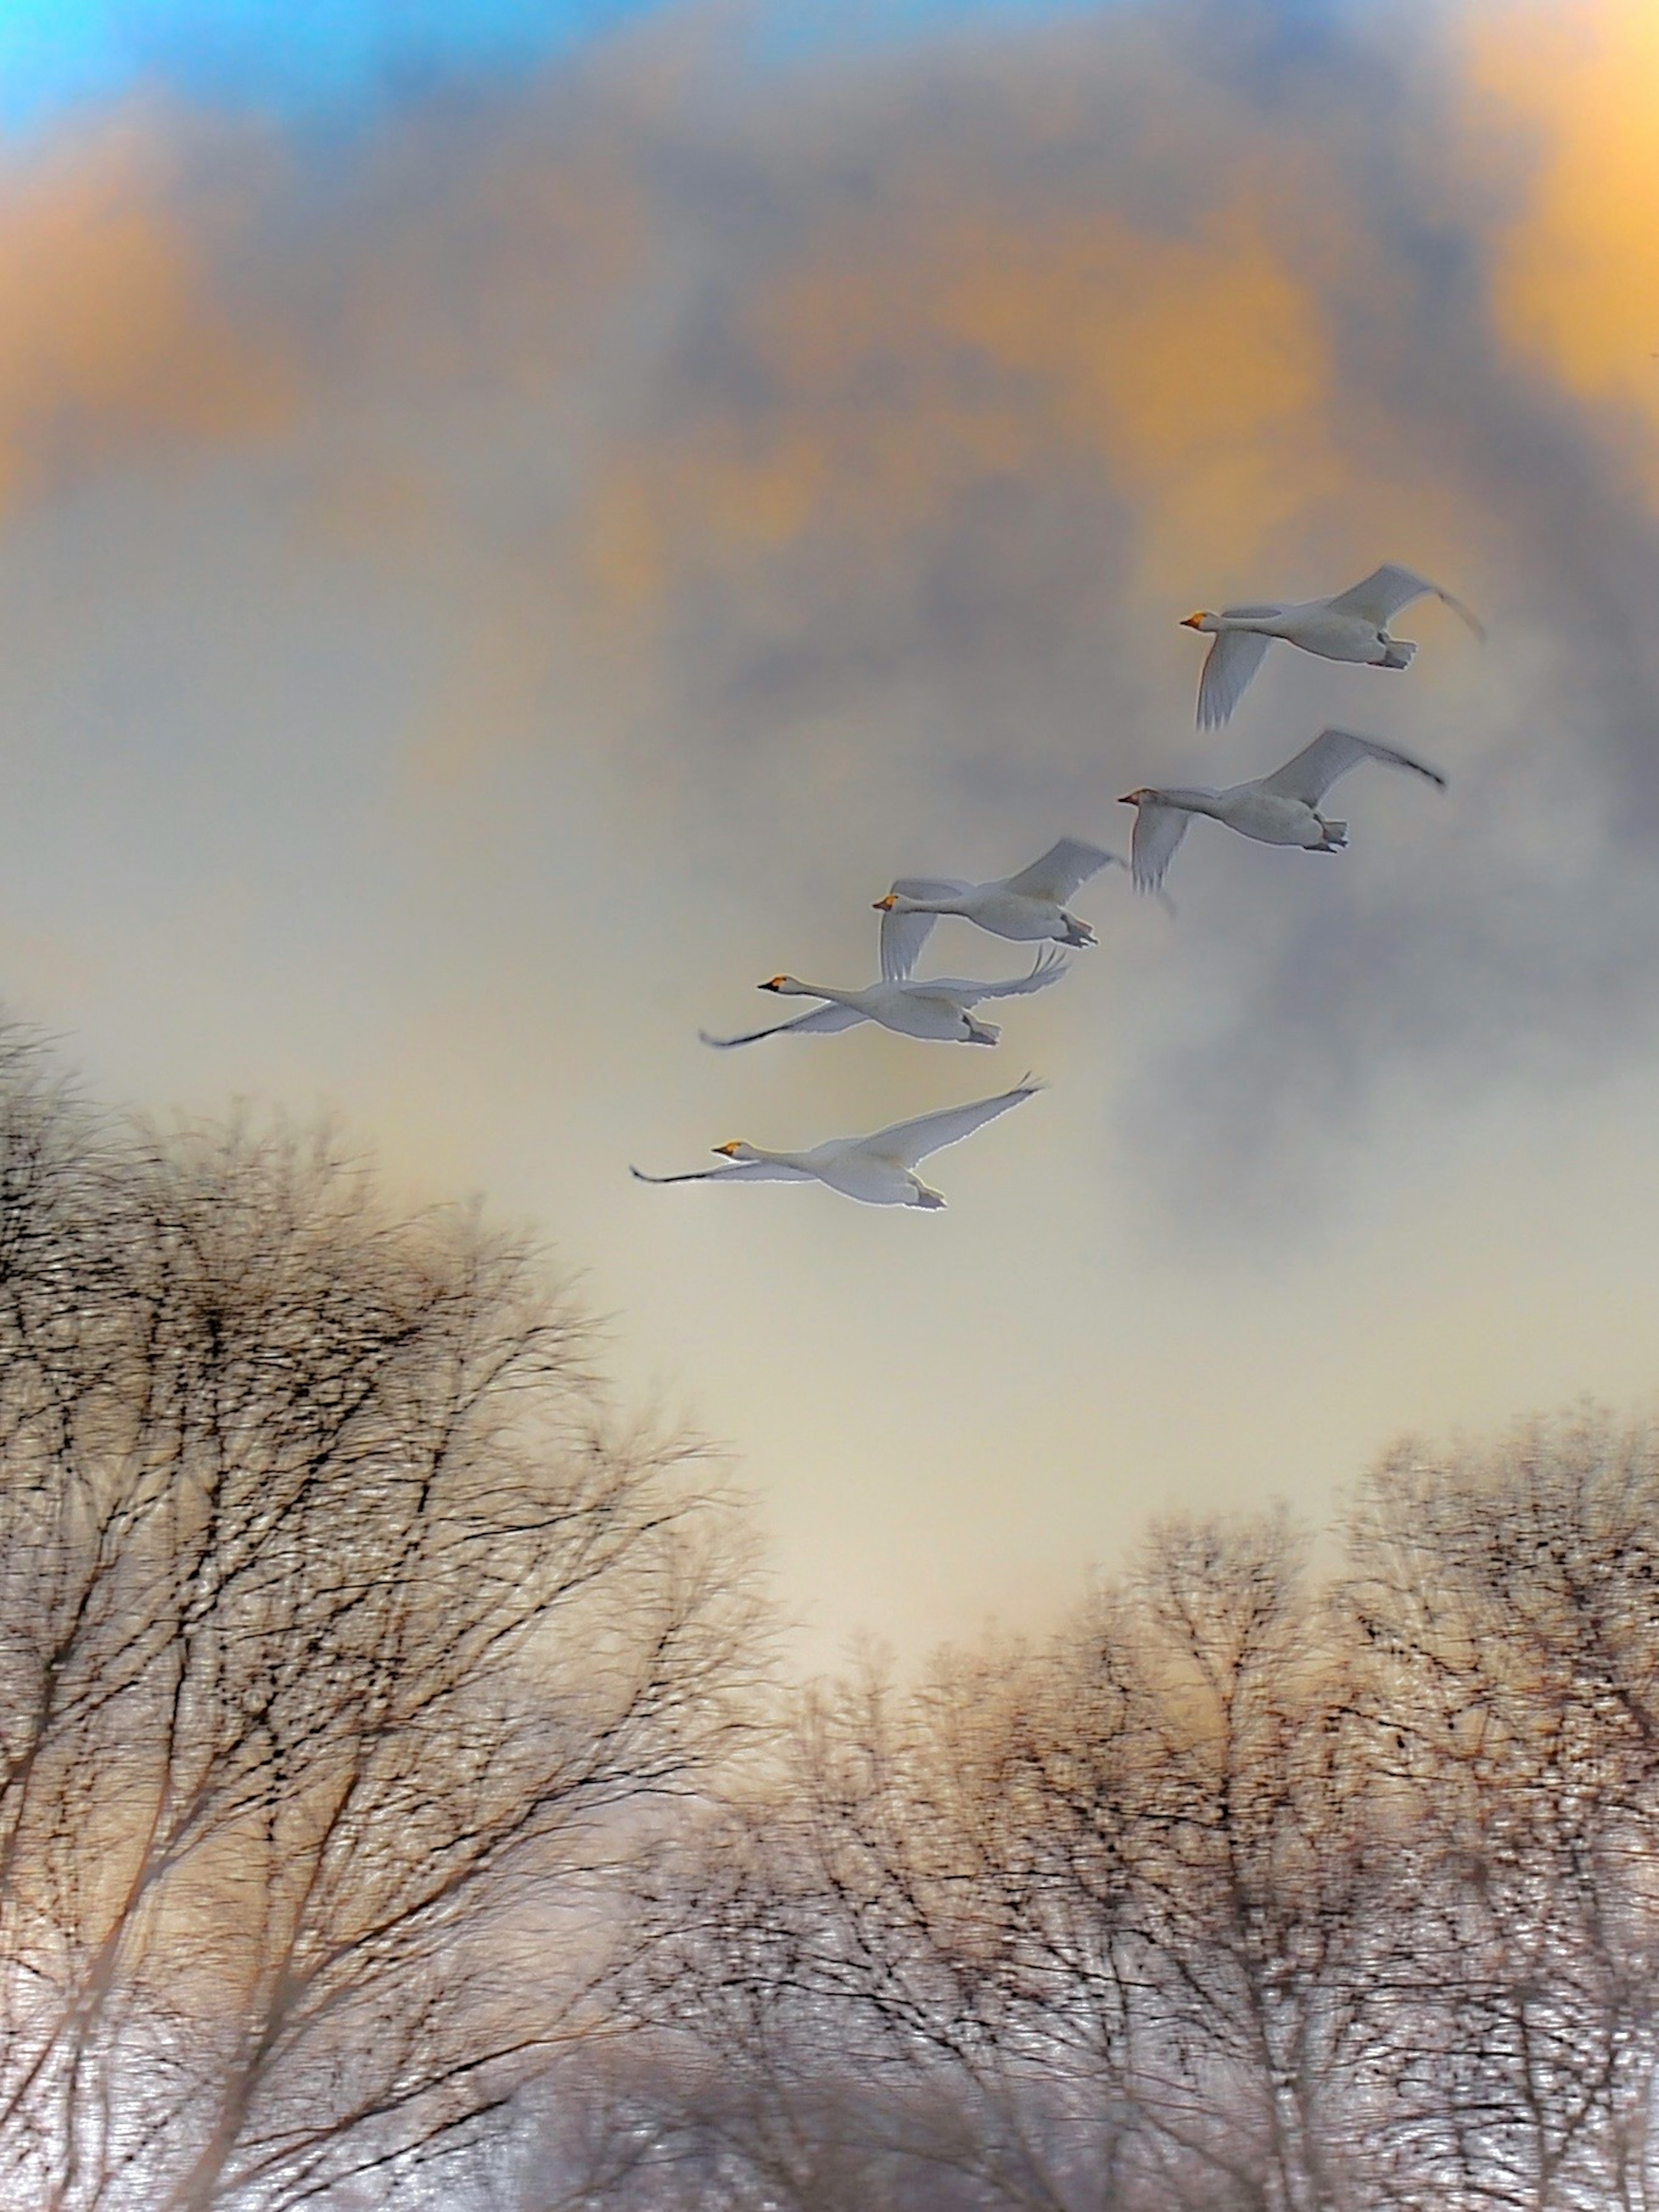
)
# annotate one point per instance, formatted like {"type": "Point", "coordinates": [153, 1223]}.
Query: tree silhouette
{"type": "Point", "coordinates": [1248, 1891]}
{"type": "Point", "coordinates": [342, 1640]}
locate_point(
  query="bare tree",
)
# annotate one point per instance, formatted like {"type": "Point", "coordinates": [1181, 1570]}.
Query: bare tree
{"type": "Point", "coordinates": [1093, 1906]}
{"type": "Point", "coordinates": [1243, 1893]}
{"type": "Point", "coordinates": [344, 1642]}
{"type": "Point", "coordinates": [1509, 1604]}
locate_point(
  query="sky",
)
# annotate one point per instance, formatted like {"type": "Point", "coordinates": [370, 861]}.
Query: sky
{"type": "Point", "coordinates": [516, 524]}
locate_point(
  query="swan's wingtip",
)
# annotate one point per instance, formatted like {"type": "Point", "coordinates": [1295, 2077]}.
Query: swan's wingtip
{"type": "Point", "coordinates": [1459, 607]}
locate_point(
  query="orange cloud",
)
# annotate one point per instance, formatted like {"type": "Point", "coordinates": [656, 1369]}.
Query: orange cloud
{"type": "Point", "coordinates": [1577, 282]}
{"type": "Point", "coordinates": [107, 338]}
{"type": "Point", "coordinates": [945, 337]}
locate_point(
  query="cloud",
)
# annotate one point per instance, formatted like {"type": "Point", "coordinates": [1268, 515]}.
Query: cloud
{"type": "Point", "coordinates": [826, 452]}
{"type": "Point", "coordinates": [1575, 271]}
{"type": "Point", "coordinates": [112, 345]}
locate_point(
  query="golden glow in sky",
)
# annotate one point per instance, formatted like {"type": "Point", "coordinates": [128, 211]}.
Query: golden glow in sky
{"type": "Point", "coordinates": [482, 598]}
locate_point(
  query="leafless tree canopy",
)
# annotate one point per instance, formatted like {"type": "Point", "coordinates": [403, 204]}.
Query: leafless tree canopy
{"type": "Point", "coordinates": [1250, 1892]}
{"type": "Point", "coordinates": [343, 1643]}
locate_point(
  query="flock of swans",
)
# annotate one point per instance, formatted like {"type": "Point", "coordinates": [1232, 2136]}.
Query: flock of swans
{"type": "Point", "coordinates": [1029, 906]}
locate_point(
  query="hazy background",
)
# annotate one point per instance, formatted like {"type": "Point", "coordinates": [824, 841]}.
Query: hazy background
{"type": "Point", "coordinates": [515, 524]}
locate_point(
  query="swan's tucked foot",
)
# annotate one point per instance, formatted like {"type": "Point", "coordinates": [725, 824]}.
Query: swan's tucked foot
{"type": "Point", "coordinates": [1399, 655]}
{"type": "Point", "coordinates": [1336, 837]}
{"type": "Point", "coordinates": [1076, 933]}
{"type": "Point", "coordinates": [930, 1200]}
{"type": "Point", "coordinates": [978, 1032]}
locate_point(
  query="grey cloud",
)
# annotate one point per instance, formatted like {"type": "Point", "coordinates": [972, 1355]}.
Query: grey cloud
{"type": "Point", "coordinates": [982, 662]}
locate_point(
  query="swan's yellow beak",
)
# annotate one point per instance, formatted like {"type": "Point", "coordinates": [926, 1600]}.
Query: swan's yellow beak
{"type": "Point", "coordinates": [1192, 621]}
{"type": "Point", "coordinates": [729, 1149]}
{"type": "Point", "coordinates": [885, 905]}
{"type": "Point", "coordinates": [776, 983]}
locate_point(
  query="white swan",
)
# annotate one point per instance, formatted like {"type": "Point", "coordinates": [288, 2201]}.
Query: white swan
{"type": "Point", "coordinates": [876, 1169]}
{"type": "Point", "coordinates": [1351, 625]}
{"type": "Point", "coordinates": [1023, 906]}
{"type": "Point", "coordinates": [936, 1008]}
{"type": "Point", "coordinates": [1280, 809]}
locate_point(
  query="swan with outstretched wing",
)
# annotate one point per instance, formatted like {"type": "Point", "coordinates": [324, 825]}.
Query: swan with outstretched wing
{"type": "Point", "coordinates": [1025, 906]}
{"type": "Point", "coordinates": [937, 1007]}
{"type": "Point", "coordinates": [1280, 809]}
{"type": "Point", "coordinates": [1350, 625]}
{"type": "Point", "coordinates": [877, 1170]}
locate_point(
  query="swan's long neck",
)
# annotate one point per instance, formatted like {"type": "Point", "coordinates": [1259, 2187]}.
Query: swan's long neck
{"type": "Point", "coordinates": [1192, 801]}
{"type": "Point", "coordinates": [903, 905]}
{"type": "Point", "coordinates": [1263, 625]}
{"type": "Point", "coordinates": [798, 990]}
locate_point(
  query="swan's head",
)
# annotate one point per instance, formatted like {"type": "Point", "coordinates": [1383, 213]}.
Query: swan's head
{"type": "Point", "coordinates": [1136, 798]}
{"type": "Point", "coordinates": [886, 905]}
{"type": "Point", "coordinates": [1201, 620]}
{"type": "Point", "coordinates": [737, 1149]}
{"type": "Point", "coordinates": [779, 984]}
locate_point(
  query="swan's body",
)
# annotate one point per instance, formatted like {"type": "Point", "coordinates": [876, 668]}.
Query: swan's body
{"type": "Point", "coordinates": [1350, 625]}
{"type": "Point", "coordinates": [1025, 907]}
{"type": "Point", "coordinates": [1280, 809]}
{"type": "Point", "coordinates": [936, 1009]}
{"type": "Point", "coordinates": [875, 1169]}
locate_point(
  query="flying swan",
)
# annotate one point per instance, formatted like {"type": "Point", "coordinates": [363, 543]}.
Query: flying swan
{"type": "Point", "coordinates": [1023, 906]}
{"type": "Point", "coordinates": [1280, 809]}
{"type": "Point", "coordinates": [876, 1169]}
{"type": "Point", "coordinates": [937, 1008]}
{"type": "Point", "coordinates": [1353, 625]}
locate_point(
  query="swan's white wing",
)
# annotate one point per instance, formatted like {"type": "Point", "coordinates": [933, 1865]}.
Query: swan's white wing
{"type": "Point", "coordinates": [1228, 667]}
{"type": "Point", "coordinates": [1332, 754]}
{"type": "Point", "coordinates": [904, 935]}
{"type": "Point", "coordinates": [823, 1021]}
{"type": "Point", "coordinates": [1060, 870]}
{"type": "Point", "coordinates": [1381, 596]}
{"type": "Point", "coordinates": [1158, 830]}
{"type": "Point", "coordinates": [1047, 968]}
{"type": "Point", "coordinates": [907, 1142]}
{"type": "Point", "coordinates": [736, 1171]}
